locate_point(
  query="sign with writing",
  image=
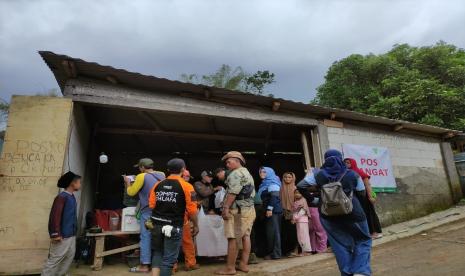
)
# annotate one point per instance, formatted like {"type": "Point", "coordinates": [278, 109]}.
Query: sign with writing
{"type": "Point", "coordinates": [31, 162]}
{"type": "Point", "coordinates": [376, 162]}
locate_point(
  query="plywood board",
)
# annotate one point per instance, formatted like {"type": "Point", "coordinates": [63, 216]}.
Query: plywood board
{"type": "Point", "coordinates": [30, 164]}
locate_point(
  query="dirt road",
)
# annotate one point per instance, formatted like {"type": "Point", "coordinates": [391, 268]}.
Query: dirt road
{"type": "Point", "coordinates": [440, 252]}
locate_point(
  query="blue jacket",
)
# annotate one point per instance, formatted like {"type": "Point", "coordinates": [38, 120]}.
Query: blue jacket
{"type": "Point", "coordinates": [272, 201]}
{"type": "Point", "coordinates": [63, 216]}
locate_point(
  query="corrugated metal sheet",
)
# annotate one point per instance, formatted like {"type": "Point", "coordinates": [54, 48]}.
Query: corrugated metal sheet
{"type": "Point", "coordinates": [96, 71]}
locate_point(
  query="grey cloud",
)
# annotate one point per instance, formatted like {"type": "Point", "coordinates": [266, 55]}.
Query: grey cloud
{"type": "Point", "coordinates": [297, 40]}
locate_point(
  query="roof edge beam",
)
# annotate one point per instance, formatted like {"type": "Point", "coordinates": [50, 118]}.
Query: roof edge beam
{"type": "Point", "coordinates": [189, 135]}
{"type": "Point", "coordinates": [398, 127]}
{"type": "Point", "coordinates": [275, 106]}
{"type": "Point", "coordinates": [101, 93]}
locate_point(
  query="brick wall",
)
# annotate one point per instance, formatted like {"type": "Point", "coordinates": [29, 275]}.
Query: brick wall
{"type": "Point", "coordinates": [422, 183]}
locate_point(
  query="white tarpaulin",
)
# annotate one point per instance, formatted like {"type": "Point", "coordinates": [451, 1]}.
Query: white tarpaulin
{"type": "Point", "coordinates": [376, 162]}
{"type": "Point", "coordinates": [211, 241]}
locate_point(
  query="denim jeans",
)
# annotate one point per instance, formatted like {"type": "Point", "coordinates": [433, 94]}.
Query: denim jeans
{"type": "Point", "coordinates": [273, 235]}
{"type": "Point", "coordinates": [351, 243]}
{"type": "Point", "coordinates": [145, 240]}
{"type": "Point", "coordinates": [165, 250]}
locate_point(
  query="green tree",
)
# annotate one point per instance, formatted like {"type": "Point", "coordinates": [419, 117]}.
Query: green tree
{"type": "Point", "coordinates": [233, 79]}
{"type": "Point", "coordinates": [4, 107]}
{"type": "Point", "coordinates": [257, 82]}
{"type": "Point", "coordinates": [419, 84]}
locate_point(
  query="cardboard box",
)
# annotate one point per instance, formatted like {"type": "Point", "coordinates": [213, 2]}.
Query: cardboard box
{"type": "Point", "coordinates": [129, 221]}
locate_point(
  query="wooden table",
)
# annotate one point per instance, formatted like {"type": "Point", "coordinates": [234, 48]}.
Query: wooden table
{"type": "Point", "coordinates": [100, 246]}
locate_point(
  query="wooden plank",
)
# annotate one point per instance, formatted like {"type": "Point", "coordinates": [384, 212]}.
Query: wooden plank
{"type": "Point", "coordinates": [156, 125]}
{"type": "Point", "coordinates": [118, 250]}
{"type": "Point", "coordinates": [99, 248]}
{"type": "Point", "coordinates": [31, 163]}
{"type": "Point", "coordinates": [304, 138]}
{"type": "Point", "coordinates": [398, 127]}
{"type": "Point", "coordinates": [332, 123]}
{"type": "Point", "coordinates": [112, 233]}
{"type": "Point", "coordinates": [275, 106]}
{"type": "Point", "coordinates": [317, 149]}
{"type": "Point", "coordinates": [219, 137]}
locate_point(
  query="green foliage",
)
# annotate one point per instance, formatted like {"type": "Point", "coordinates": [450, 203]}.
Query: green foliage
{"type": "Point", "coordinates": [226, 77]}
{"type": "Point", "coordinates": [419, 84]}
{"type": "Point", "coordinates": [4, 106]}
{"type": "Point", "coordinates": [233, 79]}
{"type": "Point", "coordinates": [256, 82]}
{"type": "Point", "coordinates": [50, 93]}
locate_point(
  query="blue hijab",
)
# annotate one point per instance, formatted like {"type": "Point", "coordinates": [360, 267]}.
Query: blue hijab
{"type": "Point", "coordinates": [334, 167]}
{"type": "Point", "coordinates": [271, 183]}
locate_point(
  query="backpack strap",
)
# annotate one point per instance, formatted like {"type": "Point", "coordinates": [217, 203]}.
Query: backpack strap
{"type": "Point", "coordinates": [342, 176]}
{"type": "Point", "coordinates": [352, 189]}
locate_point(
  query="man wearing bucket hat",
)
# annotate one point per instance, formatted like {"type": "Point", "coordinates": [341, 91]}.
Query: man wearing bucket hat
{"type": "Point", "coordinates": [142, 186]}
{"type": "Point", "coordinates": [238, 212]}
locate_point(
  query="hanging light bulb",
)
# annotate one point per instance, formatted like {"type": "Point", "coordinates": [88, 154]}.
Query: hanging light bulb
{"type": "Point", "coordinates": [103, 158]}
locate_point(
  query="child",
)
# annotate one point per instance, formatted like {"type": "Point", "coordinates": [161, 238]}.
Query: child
{"type": "Point", "coordinates": [300, 218]}
{"type": "Point", "coordinates": [62, 227]}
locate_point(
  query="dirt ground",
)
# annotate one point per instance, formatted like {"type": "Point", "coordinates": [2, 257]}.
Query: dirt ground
{"type": "Point", "coordinates": [440, 251]}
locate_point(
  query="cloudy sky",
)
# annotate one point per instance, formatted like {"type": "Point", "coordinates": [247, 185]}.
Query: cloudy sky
{"type": "Point", "coordinates": [297, 40]}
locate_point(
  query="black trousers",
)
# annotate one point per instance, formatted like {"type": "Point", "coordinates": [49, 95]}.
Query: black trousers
{"type": "Point", "coordinates": [288, 237]}
{"type": "Point", "coordinates": [257, 237]}
{"type": "Point", "coordinates": [273, 235]}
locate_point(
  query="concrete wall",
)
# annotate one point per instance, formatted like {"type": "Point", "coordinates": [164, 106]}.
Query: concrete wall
{"type": "Point", "coordinates": [422, 182]}
{"type": "Point", "coordinates": [30, 165]}
{"type": "Point", "coordinates": [76, 160]}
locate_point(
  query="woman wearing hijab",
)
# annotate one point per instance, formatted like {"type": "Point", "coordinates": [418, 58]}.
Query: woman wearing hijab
{"type": "Point", "coordinates": [288, 231]}
{"type": "Point", "coordinates": [367, 200]}
{"type": "Point", "coordinates": [269, 193]}
{"type": "Point", "coordinates": [348, 235]}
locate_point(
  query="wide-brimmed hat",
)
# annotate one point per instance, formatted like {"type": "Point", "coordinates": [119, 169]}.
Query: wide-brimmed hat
{"type": "Point", "coordinates": [233, 154]}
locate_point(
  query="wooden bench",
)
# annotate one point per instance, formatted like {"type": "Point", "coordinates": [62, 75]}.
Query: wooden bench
{"type": "Point", "coordinates": [100, 246]}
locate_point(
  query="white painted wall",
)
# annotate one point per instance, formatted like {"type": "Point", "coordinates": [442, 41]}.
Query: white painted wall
{"type": "Point", "coordinates": [405, 150]}
{"type": "Point", "coordinates": [422, 183]}
{"type": "Point", "coordinates": [76, 160]}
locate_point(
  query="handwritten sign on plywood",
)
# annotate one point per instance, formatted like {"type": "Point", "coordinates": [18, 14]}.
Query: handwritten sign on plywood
{"type": "Point", "coordinates": [30, 164]}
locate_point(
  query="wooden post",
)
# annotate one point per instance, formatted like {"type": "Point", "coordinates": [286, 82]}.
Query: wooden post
{"type": "Point", "coordinates": [99, 247]}
{"type": "Point", "coordinates": [316, 147]}
{"type": "Point", "coordinates": [308, 163]}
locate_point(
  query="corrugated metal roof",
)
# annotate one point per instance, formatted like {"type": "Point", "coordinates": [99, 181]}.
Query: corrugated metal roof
{"type": "Point", "coordinates": [81, 68]}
